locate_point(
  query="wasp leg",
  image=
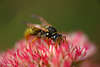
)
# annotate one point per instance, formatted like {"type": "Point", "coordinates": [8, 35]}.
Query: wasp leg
{"type": "Point", "coordinates": [34, 39]}
{"type": "Point", "coordinates": [56, 44]}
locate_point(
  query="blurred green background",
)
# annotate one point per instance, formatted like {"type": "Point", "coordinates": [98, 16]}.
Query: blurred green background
{"type": "Point", "coordinates": [65, 15]}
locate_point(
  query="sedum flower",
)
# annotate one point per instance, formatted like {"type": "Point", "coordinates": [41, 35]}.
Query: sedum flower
{"type": "Point", "coordinates": [46, 53]}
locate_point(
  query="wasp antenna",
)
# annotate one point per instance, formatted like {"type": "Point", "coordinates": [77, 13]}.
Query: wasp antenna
{"type": "Point", "coordinates": [44, 22]}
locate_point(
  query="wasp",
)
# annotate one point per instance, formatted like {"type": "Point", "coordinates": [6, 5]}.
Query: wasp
{"type": "Point", "coordinates": [43, 30]}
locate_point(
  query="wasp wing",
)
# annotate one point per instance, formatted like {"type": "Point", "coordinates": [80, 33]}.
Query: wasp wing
{"type": "Point", "coordinates": [43, 21]}
{"type": "Point", "coordinates": [36, 26]}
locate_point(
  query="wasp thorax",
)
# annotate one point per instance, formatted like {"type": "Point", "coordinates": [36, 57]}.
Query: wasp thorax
{"type": "Point", "coordinates": [51, 29]}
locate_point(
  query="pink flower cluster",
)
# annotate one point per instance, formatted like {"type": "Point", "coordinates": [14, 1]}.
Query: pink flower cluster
{"type": "Point", "coordinates": [47, 53]}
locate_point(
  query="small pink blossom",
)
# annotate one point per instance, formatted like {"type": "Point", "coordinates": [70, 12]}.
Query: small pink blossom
{"type": "Point", "coordinates": [46, 53]}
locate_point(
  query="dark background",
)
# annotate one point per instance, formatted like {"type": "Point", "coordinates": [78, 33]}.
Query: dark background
{"type": "Point", "coordinates": [65, 15]}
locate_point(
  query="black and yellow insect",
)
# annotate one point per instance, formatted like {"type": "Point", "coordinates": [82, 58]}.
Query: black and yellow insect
{"type": "Point", "coordinates": [43, 30]}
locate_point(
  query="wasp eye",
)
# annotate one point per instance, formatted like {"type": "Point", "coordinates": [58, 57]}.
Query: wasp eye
{"type": "Point", "coordinates": [55, 36]}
